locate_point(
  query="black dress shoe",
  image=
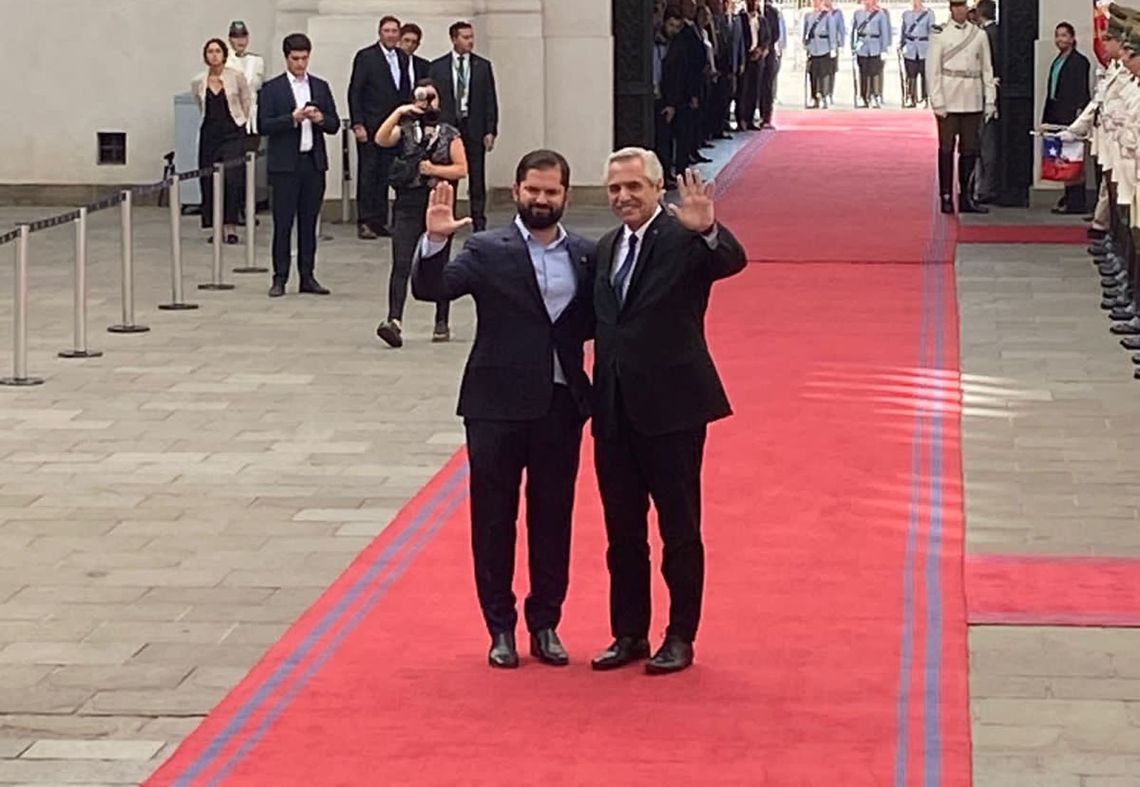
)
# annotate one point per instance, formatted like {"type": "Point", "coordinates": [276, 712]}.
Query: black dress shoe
{"type": "Point", "coordinates": [390, 332]}
{"type": "Point", "coordinates": [313, 287]}
{"type": "Point", "coordinates": [277, 290]}
{"type": "Point", "coordinates": [366, 233]}
{"type": "Point", "coordinates": [947, 204]}
{"type": "Point", "coordinates": [624, 650]}
{"type": "Point", "coordinates": [547, 648]}
{"type": "Point", "coordinates": [967, 205]}
{"type": "Point", "coordinates": [674, 656]}
{"type": "Point", "coordinates": [1131, 343]}
{"type": "Point", "coordinates": [503, 654]}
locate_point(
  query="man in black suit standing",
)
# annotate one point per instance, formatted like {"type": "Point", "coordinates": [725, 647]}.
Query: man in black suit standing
{"type": "Point", "coordinates": [757, 47]}
{"type": "Point", "coordinates": [469, 102]}
{"type": "Point", "coordinates": [985, 172]}
{"type": "Point", "coordinates": [1067, 94]}
{"type": "Point", "coordinates": [411, 36]}
{"type": "Point", "coordinates": [380, 82]}
{"type": "Point", "coordinates": [525, 395]}
{"type": "Point", "coordinates": [656, 390]}
{"type": "Point", "coordinates": [294, 111]}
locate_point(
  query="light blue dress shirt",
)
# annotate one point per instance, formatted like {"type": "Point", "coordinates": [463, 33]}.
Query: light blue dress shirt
{"type": "Point", "coordinates": [554, 272]}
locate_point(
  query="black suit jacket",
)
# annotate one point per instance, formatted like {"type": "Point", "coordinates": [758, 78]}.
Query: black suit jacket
{"type": "Point", "coordinates": [652, 352]}
{"type": "Point", "coordinates": [510, 372]}
{"type": "Point", "coordinates": [765, 39]}
{"type": "Point", "coordinates": [482, 98]}
{"type": "Point", "coordinates": [1072, 91]}
{"type": "Point", "coordinates": [275, 105]}
{"type": "Point", "coordinates": [995, 49]}
{"type": "Point", "coordinates": [421, 69]}
{"type": "Point", "coordinates": [372, 95]}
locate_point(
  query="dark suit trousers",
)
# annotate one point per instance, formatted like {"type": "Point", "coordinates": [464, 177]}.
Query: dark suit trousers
{"type": "Point", "coordinates": [476, 175]}
{"type": "Point", "coordinates": [372, 183]}
{"type": "Point", "coordinates": [548, 449]}
{"type": "Point", "coordinates": [769, 70]}
{"type": "Point", "coordinates": [749, 98]}
{"type": "Point", "coordinates": [632, 469]}
{"type": "Point", "coordinates": [409, 217]}
{"type": "Point", "coordinates": [297, 198]}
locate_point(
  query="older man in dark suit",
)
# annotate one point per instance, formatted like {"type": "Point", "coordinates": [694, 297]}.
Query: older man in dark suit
{"type": "Point", "coordinates": [525, 396]}
{"type": "Point", "coordinates": [468, 101]}
{"type": "Point", "coordinates": [656, 390]}
{"type": "Point", "coordinates": [295, 110]}
{"type": "Point", "coordinates": [1067, 93]}
{"type": "Point", "coordinates": [380, 82]}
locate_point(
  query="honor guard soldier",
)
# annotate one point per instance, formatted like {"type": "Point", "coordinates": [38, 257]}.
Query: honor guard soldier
{"type": "Point", "coordinates": [960, 76]}
{"type": "Point", "coordinates": [817, 31]}
{"type": "Point", "coordinates": [253, 66]}
{"type": "Point", "coordinates": [838, 36]}
{"type": "Point", "coordinates": [870, 41]}
{"type": "Point", "coordinates": [916, 27]}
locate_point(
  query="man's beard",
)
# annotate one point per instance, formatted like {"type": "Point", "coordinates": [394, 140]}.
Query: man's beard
{"type": "Point", "coordinates": [538, 219]}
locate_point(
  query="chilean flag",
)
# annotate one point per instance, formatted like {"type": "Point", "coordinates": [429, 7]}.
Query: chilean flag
{"type": "Point", "coordinates": [1062, 161]}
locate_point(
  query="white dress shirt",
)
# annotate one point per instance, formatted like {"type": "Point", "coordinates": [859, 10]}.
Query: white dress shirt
{"type": "Point", "coordinates": [393, 64]}
{"type": "Point", "coordinates": [463, 100]}
{"type": "Point", "coordinates": [712, 239]}
{"type": "Point", "coordinates": [303, 94]}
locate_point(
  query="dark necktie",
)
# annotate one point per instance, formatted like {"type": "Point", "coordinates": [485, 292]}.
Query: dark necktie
{"type": "Point", "coordinates": [623, 272]}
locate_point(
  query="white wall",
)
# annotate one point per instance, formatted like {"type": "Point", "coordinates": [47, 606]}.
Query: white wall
{"type": "Point", "coordinates": [82, 66]}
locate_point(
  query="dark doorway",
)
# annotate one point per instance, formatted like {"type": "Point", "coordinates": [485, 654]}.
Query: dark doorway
{"type": "Point", "coordinates": [633, 73]}
{"type": "Point", "coordinates": [1017, 37]}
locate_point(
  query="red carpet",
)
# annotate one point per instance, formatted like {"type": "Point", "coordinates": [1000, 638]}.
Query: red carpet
{"type": "Point", "coordinates": [1053, 591]}
{"type": "Point", "coordinates": [1050, 233]}
{"type": "Point", "coordinates": [833, 650]}
{"type": "Point", "coordinates": [851, 187]}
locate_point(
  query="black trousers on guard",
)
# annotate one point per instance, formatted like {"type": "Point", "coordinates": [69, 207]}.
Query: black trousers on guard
{"type": "Point", "coordinates": [870, 77]}
{"type": "Point", "coordinates": [548, 449]}
{"type": "Point", "coordinates": [476, 151]}
{"type": "Point", "coordinates": [297, 198]}
{"type": "Point", "coordinates": [915, 71]}
{"type": "Point", "coordinates": [819, 73]}
{"type": "Point", "coordinates": [632, 470]}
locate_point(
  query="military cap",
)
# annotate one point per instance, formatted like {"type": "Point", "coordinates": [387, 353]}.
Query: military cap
{"type": "Point", "coordinates": [238, 29]}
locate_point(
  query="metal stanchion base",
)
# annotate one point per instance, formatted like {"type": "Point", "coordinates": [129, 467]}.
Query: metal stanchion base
{"type": "Point", "coordinates": [128, 329]}
{"type": "Point", "coordinates": [215, 287]}
{"type": "Point", "coordinates": [177, 307]}
{"type": "Point", "coordinates": [81, 354]}
{"type": "Point", "coordinates": [21, 382]}
{"type": "Point", "coordinates": [251, 270]}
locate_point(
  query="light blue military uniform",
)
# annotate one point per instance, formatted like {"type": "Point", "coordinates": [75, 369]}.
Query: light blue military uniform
{"type": "Point", "coordinates": [818, 37]}
{"type": "Point", "coordinates": [873, 38]}
{"type": "Point", "coordinates": [916, 29]}
{"type": "Point", "coordinates": [870, 39]}
{"type": "Point", "coordinates": [915, 32]}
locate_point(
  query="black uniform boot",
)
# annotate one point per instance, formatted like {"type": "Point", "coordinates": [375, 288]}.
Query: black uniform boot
{"type": "Point", "coordinates": [966, 162]}
{"type": "Point", "coordinates": [946, 180]}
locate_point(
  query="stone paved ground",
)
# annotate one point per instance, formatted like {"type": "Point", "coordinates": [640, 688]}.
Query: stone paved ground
{"type": "Point", "coordinates": [1052, 445]}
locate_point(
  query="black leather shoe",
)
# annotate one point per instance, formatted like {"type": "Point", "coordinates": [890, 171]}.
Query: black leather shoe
{"type": "Point", "coordinates": [1131, 343]}
{"type": "Point", "coordinates": [675, 655]}
{"type": "Point", "coordinates": [366, 233]}
{"type": "Point", "coordinates": [624, 650]}
{"type": "Point", "coordinates": [503, 654]}
{"type": "Point", "coordinates": [313, 287]}
{"type": "Point", "coordinates": [947, 203]}
{"type": "Point", "coordinates": [966, 205]}
{"type": "Point", "coordinates": [277, 290]}
{"type": "Point", "coordinates": [391, 333]}
{"type": "Point", "coordinates": [547, 648]}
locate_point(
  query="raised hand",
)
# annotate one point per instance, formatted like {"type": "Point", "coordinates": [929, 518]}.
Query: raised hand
{"type": "Point", "coordinates": [440, 218]}
{"type": "Point", "coordinates": [696, 210]}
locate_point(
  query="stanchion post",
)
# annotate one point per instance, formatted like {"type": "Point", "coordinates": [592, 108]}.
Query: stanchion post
{"type": "Point", "coordinates": [346, 174]}
{"type": "Point", "coordinates": [175, 202]}
{"type": "Point", "coordinates": [80, 350]}
{"type": "Point", "coordinates": [218, 186]}
{"type": "Point", "coordinates": [20, 316]}
{"type": "Point", "coordinates": [128, 269]}
{"type": "Point", "coordinates": [250, 217]}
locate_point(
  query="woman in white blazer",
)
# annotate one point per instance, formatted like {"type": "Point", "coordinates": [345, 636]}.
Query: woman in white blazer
{"type": "Point", "coordinates": [224, 97]}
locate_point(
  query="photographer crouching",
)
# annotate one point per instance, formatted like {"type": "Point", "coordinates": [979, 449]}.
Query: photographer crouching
{"type": "Point", "coordinates": [429, 151]}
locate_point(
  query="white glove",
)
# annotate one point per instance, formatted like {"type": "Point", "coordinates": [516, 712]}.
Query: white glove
{"type": "Point", "coordinates": [1067, 136]}
{"type": "Point", "coordinates": [990, 114]}
{"type": "Point", "coordinates": [940, 112]}
{"type": "Point", "coordinates": [883, 56]}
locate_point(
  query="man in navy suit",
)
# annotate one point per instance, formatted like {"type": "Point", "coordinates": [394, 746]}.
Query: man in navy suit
{"type": "Point", "coordinates": [295, 110]}
{"type": "Point", "coordinates": [525, 394]}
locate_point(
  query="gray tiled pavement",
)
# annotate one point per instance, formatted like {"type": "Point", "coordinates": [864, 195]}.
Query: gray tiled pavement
{"type": "Point", "coordinates": [1051, 441]}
